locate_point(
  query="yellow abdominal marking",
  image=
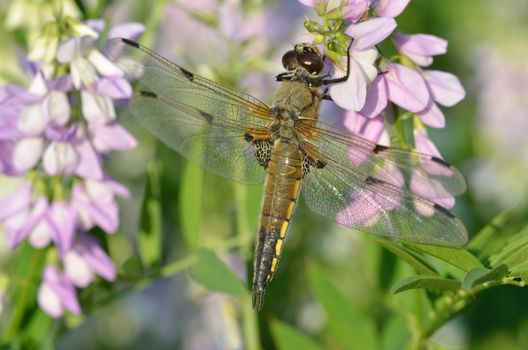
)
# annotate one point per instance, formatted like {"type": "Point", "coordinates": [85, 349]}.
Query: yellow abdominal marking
{"type": "Point", "coordinates": [289, 210]}
{"type": "Point", "coordinates": [274, 264]}
{"type": "Point", "coordinates": [284, 227]}
{"type": "Point", "coordinates": [278, 247]}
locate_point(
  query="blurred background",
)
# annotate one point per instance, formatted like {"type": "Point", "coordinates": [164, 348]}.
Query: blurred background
{"type": "Point", "coordinates": [241, 45]}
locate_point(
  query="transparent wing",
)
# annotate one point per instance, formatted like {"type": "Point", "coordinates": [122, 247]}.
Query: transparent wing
{"type": "Point", "coordinates": [204, 121]}
{"type": "Point", "coordinates": [359, 188]}
{"type": "Point", "coordinates": [426, 175]}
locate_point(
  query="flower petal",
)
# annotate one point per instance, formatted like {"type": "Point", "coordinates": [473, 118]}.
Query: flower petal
{"type": "Point", "coordinates": [110, 137]}
{"type": "Point", "coordinates": [432, 116]}
{"type": "Point", "coordinates": [16, 201]}
{"type": "Point", "coordinates": [376, 100]}
{"type": "Point", "coordinates": [57, 293]}
{"type": "Point", "coordinates": [445, 87]}
{"type": "Point", "coordinates": [371, 32]}
{"type": "Point", "coordinates": [77, 269]}
{"type": "Point", "coordinates": [26, 153]}
{"type": "Point", "coordinates": [89, 165]}
{"type": "Point", "coordinates": [104, 66]}
{"type": "Point", "coordinates": [63, 219]}
{"type": "Point", "coordinates": [97, 108]}
{"type": "Point", "coordinates": [391, 8]}
{"type": "Point", "coordinates": [60, 158]}
{"type": "Point", "coordinates": [56, 108]}
{"type": "Point", "coordinates": [114, 87]}
{"type": "Point", "coordinates": [351, 94]}
{"type": "Point", "coordinates": [97, 258]}
{"type": "Point", "coordinates": [130, 30]}
{"type": "Point", "coordinates": [420, 47]}
{"type": "Point", "coordinates": [406, 88]}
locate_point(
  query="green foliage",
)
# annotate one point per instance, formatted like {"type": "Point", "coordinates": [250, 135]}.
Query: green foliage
{"type": "Point", "coordinates": [212, 273]}
{"type": "Point", "coordinates": [150, 233]}
{"type": "Point", "coordinates": [191, 204]}
{"type": "Point", "coordinates": [347, 324]}
{"type": "Point", "coordinates": [288, 337]}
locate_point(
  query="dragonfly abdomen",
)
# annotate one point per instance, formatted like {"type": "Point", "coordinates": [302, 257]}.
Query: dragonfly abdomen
{"type": "Point", "coordinates": [281, 192]}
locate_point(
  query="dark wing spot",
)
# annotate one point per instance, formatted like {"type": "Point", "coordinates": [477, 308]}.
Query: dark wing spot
{"type": "Point", "coordinates": [380, 148]}
{"type": "Point", "coordinates": [440, 161]}
{"type": "Point", "coordinates": [372, 180]}
{"type": "Point", "coordinates": [187, 74]}
{"type": "Point", "coordinates": [320, 164]}
{"type": "Point", "coordinates": [443, 210]}
{"type": "Point", "coordinates": [208, 117]}
{"type": "Point", "coordinates": [248, 137]}
{"type": "Point", "coordinates": [130, 42]}
{"type": "Point", "coordinates": [148, 94]}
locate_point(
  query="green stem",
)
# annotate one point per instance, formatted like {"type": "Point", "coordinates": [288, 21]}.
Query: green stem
{"type": "Point", "coordinates": [394, 126]}
{"type": "Point", "coordinates": [249, 317]}
{"type": "Point", "coordinates": [23, 299]}
{"type": "Point", "coordinates": [460, 301]}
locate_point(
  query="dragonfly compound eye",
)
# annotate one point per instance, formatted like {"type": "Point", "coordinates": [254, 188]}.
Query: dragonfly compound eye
{"type": "Point", "coordinates": [289, 60]}
{"type": "Point", "coordinates": [311, 61]}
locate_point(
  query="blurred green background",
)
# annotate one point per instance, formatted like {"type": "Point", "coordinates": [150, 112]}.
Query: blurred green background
{"type": "Point", "coordinates": [185, 210]}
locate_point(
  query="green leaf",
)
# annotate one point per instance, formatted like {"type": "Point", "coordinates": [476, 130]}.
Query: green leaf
{"type": "Point", "coordinates": [150, 233]}
{"type": "Point", "coordinates": [345, 320]}
{"type": "Point", "coordinates": [288, 337]}
{"type": "Point", "coordinates": [417, 263]}
{"type": "Point", "coordinates": [513, 253]}
{"type": "Point", "coordinates": [191, 204]}
{"type": "Point", "coordinates": [455, 256]}
{"type": "Point", "coordinates": [132, 267]}
{"type": "Point", "coordinates": [395, 333]}
{"type": "Point", "coordinates": [213, 274]}
{"type": "Point", "coordinates": [426, 282]}
{"type": "Point", "coordinates": [481, 275]}
{"type": "Point", "coordinates": [490, 236]}
{"type": "Point", "coordinates": [39, 330]}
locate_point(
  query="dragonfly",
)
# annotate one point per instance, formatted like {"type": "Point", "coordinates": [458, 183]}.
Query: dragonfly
{"type": "Point", "coordinates": [387, 191]}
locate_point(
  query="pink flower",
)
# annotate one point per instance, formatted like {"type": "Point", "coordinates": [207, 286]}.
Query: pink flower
{"type": "Point", "coordinates": [57, 294]}
{"type": "Point", "coordinates": [390, 8]}
{"type": "Point", "coordinates": [406, 88]}
{"type": "Point", "coordinates": [429, 187]}
{"type": "Point", "coordinates": [371, 32]}
{"type": "Point", "coordinates": [355, 9]}
{"type": "Point", "coordinates": [351, 94]}
{"type": "Point", "coordinates": [420, 48]}
{"type": "Point", "coordinates": [85, 259]}
{"type": "Point", "coordinates": [95, 203]}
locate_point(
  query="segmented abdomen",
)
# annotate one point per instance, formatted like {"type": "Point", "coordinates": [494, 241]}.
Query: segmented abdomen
{"type": "Point", "coordinates": [281, 192]}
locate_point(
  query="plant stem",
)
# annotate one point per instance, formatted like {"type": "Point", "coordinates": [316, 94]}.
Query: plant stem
{"type": "Point", "coordinates": [23, 299]}
{"type": "Point", "coordinates": [249, 317]}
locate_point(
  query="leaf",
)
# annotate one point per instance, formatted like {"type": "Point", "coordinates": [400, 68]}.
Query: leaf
{"type": "Point", "coordinates": [455, 256]}
{"type": "Point", "coordinates": [395, 333]}
{"type": "Point", "coordinates": [191, 204]}
{"type": "Point", "coordinates": [150, 232]}
{"type": "Point", "coordinates": [426, 282]}
{"type": "Point", "coordinates": [481, 275]}
{"type": "Point", "coordinates": [213, 274]}
{"type": "Point", "coordinates": [132, 267]}
{"type": "Point", "coordinates": [490, 236]}
{"type": "Point", "coordinates": [288, 337]}
{"type": "Point", "coordinates": [39, 329]}
{"type": "Point", "coordinates": [513, 253]}
{"type": "Point", "coordinates": [345, 320]}
{"type": "Point", "coordinates": [416, 262]}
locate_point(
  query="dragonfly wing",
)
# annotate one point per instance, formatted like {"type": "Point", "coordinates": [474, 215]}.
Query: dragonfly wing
{"type": "Point", "coordinates": [357, 196]}
{"type": "Point", "coordinates": [427, 176]}
{"type": "Point", "coordinates": [206, 122]}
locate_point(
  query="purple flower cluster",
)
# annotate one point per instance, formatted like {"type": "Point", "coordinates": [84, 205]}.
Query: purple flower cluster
{"type": "Point", "coordinates": [378, 85]}
{"type": "Point", "coordinates": [53, 136]}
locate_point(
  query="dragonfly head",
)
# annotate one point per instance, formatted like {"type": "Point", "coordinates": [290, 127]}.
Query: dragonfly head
{"type": "Point", "coordinates": [306, 56]}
